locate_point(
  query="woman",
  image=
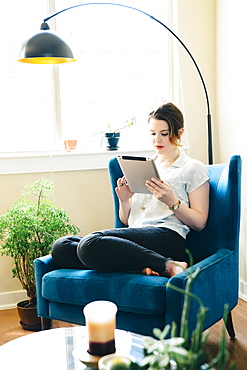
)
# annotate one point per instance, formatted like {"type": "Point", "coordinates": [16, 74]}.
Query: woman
{"type": "Point", "coordinates": [154, 241]}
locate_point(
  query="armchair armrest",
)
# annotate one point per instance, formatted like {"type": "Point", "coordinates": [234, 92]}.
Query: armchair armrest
{"type": "Point", "coordinates": [42, 265]}
{"type": "Point", "coordinates": [218, 277]}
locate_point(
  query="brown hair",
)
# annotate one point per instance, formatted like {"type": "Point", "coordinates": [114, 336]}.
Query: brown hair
{"type": "Point", "coordinates": [173, 116]}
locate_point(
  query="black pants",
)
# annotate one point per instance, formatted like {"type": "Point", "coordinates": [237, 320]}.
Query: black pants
{"type": "Point", "coordinates": [122, 249]}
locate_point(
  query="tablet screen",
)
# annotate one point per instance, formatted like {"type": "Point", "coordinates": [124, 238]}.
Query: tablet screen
{"type": "Point", "coordinates": [137, 171]}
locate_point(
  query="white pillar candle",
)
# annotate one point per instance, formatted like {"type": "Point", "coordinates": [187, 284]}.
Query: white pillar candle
{"type": "Point", "coordinates": [100, 319]}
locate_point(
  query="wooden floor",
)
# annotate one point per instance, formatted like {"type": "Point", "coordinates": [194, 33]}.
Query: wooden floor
{"type": "Point", "coordinates": [11, 329]}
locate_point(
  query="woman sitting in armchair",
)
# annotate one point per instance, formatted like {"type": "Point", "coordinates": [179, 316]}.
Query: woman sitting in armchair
{"type": "Point", "coordinates": [154, 241]}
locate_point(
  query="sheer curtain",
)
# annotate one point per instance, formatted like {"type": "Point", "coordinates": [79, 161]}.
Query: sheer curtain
{"type": "Point", "coordinates": [26, 112]}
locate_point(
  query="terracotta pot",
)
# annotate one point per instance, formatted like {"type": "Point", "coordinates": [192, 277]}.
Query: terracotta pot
{"type": "Point", "coordinates": [70, 145]}
{"type": "Point", "coordinates": [28, 316]}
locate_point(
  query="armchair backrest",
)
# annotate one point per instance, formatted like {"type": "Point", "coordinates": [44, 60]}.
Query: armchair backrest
{"type": "Point", "coordinates": [222, 229]}
{"type": "Point", "coordinates": [115, 173]}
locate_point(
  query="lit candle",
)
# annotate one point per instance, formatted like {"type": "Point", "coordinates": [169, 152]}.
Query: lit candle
{"type": "Point", "coordinates": [101, 322]}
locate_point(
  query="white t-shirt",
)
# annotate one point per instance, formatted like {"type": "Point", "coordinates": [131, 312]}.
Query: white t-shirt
{"type": "Point", "coordinates": [184, 176]}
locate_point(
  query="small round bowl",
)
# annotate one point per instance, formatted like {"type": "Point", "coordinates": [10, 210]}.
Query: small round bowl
{"type": "Point", "coordinates": [114, 359]}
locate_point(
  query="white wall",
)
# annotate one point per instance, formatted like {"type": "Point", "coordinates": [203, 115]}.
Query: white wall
{"type": "Point", "coordinates": [196, 28]}
{"type": "Point", "coordinates": [214, 31]}
{"type": "Point", "coordinates": [231, 100]}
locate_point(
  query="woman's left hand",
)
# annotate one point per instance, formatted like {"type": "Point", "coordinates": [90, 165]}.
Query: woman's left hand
{"type": "Point", "coordinates": [194, 216]}
{"type": "Point", "coordinates": [162, 191]}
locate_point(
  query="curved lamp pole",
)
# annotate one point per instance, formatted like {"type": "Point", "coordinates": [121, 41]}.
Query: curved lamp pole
{"type": "Point", "coordinates": [47, 48]}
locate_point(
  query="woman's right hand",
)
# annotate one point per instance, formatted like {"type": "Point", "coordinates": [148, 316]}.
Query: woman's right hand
{"type": "Point", "coordinates": [124, 195]}
{"type": "Point", "coordinates": [123, 190]}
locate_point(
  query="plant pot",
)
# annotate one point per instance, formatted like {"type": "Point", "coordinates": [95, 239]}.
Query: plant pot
{"type": "Point", "coordinates": [28, 316]}
{"type": "Point", "coordinates": [112, 140]}
{"type": "Point", "coordinates": [70, 145]}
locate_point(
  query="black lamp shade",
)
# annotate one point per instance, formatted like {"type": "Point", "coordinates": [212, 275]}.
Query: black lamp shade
{"type": "Point", "coordinates": [45, 48]}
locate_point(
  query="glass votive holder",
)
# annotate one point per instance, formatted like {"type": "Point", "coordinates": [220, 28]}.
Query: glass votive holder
{"type": "Point", "coordinates": [100, 317]}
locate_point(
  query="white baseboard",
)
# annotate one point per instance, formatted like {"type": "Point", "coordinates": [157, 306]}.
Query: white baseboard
{"type": "Point", "coordinates": [10, 299]}
{"type": "Point", "coordinates": [243, 290]}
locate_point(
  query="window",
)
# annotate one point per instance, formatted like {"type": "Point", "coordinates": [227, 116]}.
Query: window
{"type": "Point", "coordinates": [26, 112]}
{"type": "Point", "coordinates": [121, 71]}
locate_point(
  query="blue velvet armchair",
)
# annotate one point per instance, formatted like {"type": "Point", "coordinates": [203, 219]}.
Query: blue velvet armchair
{"type": "Point", "coordinates": [144, 302]}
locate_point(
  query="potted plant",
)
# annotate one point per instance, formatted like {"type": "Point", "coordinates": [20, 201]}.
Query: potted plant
{"type": "Point", "coordinates": [112, 136]}
{"type": "Point", "coordinates": [179, 352]}
{"type": "Point", "coordinates": [27, 231]}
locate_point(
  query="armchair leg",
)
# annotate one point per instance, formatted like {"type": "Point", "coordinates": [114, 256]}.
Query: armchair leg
{"type": "Point", "coordinates": [229, 325]}
{"type": "Point", "coordinates": [45, 323]}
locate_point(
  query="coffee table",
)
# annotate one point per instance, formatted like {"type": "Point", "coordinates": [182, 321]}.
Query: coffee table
{"type": "Point", "coordinates": [60, 349]}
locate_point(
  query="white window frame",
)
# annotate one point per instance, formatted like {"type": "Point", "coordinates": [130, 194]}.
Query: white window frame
{"type": "Point", "coordinates": [59, 161]}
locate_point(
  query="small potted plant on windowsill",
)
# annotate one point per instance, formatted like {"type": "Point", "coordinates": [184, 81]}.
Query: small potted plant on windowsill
{"type": "Point", "coordinates": [27, 231]}
{"type": "Point", "coordinates": [112, 135]}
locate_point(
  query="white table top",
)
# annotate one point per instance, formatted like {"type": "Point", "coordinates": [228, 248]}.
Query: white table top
{"type": "Point", "coordinates": [59, 349]}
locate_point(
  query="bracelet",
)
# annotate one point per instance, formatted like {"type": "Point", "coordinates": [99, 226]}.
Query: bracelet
{"type": "Point", "coordinates": [175, 206]}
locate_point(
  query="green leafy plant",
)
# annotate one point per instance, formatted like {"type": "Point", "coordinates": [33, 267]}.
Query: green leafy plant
{"type": "Point", "coordinates": [110, 129]}
{"type": "Point", "coordinates": [29, 229]}
{"type": "Point", "coordinates": [183, 352]}
{"type": "Point", "coordinates": [130, 122]}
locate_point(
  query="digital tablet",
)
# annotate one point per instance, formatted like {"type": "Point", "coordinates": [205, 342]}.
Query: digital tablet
{"type": "Point", "coordinates": [137, 171]}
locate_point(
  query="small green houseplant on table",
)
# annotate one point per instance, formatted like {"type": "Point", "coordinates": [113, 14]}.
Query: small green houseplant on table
{"type": "Point", "coordinates": [28, 230]}
{"type": "Point", "coordinates": [180, 352]}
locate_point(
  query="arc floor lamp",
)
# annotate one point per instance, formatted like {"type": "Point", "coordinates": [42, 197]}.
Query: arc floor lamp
{"type": "Point", "coordinates": [47, 48]}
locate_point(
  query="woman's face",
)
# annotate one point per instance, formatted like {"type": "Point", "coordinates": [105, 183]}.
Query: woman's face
{"type": "Point", "coordinates": [160, 136]}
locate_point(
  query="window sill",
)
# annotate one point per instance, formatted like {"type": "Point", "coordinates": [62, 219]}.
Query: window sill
{"type": "Point", "coordinates": [60, 161]}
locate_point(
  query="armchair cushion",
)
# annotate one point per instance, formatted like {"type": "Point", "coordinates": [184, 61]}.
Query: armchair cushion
{"type": "Point", "coordinates": [131, 292]}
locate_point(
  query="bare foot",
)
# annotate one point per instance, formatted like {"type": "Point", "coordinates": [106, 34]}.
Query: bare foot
{"type": "Point", "coordinates": [149, 271]}
{"type": "Point", "coordinates": [175, 267]}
